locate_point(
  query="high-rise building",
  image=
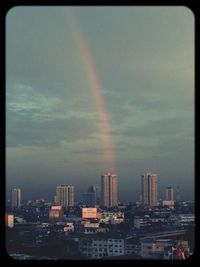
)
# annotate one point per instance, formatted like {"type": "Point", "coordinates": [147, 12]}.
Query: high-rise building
{"type": "Point", "coordinates": [16, 197]}
{"type": "Point", "coordinates": [149, 189]}
{"type": "Point", "coordinates": [169, 193]}
{"type": "Point", "coordinates": [109, 190]}
{"type": "Point", "coordinates": [65, 195]}
{"type": "Point", "coordinates": [90, 197]}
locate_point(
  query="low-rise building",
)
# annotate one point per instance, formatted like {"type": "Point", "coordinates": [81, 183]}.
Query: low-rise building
{"type": "Point", "coordinates": [168, 203]}
{"type": "Point", "coordinates": [9, 220]}
{"type": "Point", "coordinates": [154, 248]}
{"type": "Point", "coordinates": [111, 217]}
{"type": "Point", "coordinates": [96, 248]}
{"type": "Point", "coordinates": [69, 227]}
{"type": "Point", "coordinates": [56, 212]}
{"type": "Point", "coordinates": [186, 219]}
{"type": "Point", "coordinates": [90, 228]}
{"type": "Point", "coordinates": [130, 248]}
{"type": "Point", "coordinates": [141, 222]}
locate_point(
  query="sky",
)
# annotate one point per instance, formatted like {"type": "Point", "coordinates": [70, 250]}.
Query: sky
{"type": "Point", "coordinates": [91, 90]}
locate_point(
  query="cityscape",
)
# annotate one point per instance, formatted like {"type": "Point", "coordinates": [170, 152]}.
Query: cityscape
{"type": "Point", "coordinates": [99, 226]}
{"type": "Point", "coordinates": [100, 133]}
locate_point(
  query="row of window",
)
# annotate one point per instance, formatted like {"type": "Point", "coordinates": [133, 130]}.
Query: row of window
{"type": "Point", "coordinates": [109, 240]}
{"type": "Point", "coordinates": [102, 254]}
{"type": "Point", "coordinates": [105, 245]}
{"type": "Point", "coordinates": [88, 252]}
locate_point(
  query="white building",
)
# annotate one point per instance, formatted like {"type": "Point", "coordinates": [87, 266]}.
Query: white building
{"type": "Point", "coordinates": [102, 247]}
{"type": "Point", "coordinates": [65, 195]}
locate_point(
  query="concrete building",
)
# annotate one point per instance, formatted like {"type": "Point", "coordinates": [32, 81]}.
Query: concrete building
{"type": "Point", "coordinates": [65, 195]}
{"type": "Point", "coordinates": [91, 227]}
{"type": "Point", "coordinates": [141, 222]}
{"type": "Point", "coordinates": [131, 248]}
{"type": "Point", "coordinates": [168, 203]}
{"type": "Point", "coordinates": [89, 198]}
{"type": "Point", "coordinates": [16, 197]}
{"type": "Point", "coordinates": [69, 227]}
{"type": "Point", "coordinates": [149, 189]}
{"type": "Point", "coordinates": [154, 249]}
{"type": "Point", "coordinates": [109, 190]}
{"type": "Point", "coordinates": [169, 194]}
{"type": "Point", "coordinates": [96, 248]}
{"type": "Point", "coordinates": [56, 212]}
{"type": "Point", "coordinates": [111, 217]}
{"type": "Point", "coordinates": [186, 219]}
{"type": "Point", "coordinates": [9, 220]}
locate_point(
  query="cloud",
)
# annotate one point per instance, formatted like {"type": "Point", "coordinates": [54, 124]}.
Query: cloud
{"type": "Point", "coordinates": [23, 98]}
{"type": "Point", "coordinates": [32, 118]}
{"type": "Point", "coordinates": [163, 127]}
{"type": "Point", "coordinates": [146, 67]}
{"type": "Point", "coordinates": [22, 131]}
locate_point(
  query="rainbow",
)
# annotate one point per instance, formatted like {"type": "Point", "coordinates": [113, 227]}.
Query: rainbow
{"type": "Point", "coordinates": [96, 90]}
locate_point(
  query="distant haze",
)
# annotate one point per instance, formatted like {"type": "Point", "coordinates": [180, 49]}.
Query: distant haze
{"type": "Point", "coordinates": [143, 58]}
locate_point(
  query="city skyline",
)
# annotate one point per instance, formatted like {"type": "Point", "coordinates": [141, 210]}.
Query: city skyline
{"type": "Point", "coordinates": [115, 95]}
{"type": "Point", "coordinates": [106, 193]}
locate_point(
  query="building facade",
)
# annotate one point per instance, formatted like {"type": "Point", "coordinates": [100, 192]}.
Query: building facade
{"type": "Point", "coordinates": [111, 217]}
{"type": "Point", "coordinates": [90, 197]}
{"type": "Point", "coordinates": [96, 248]}
{"type": "Point", "coordinates": [109, 190]}
{"type": "Point", "coordinates": [65, 195]}
{"type": "Point", "coordinates": [149, 189]}
{"type": "Point", "coordinates": [169, 193]}
{"type": "Point", "coordinates": [56, 212]}
{"type": "Point", "coordinates": [154, 249]}
{"type": "Point", "coordinates": [16, 197]}
{"type": "Point", "coordinates": [9, 220]}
